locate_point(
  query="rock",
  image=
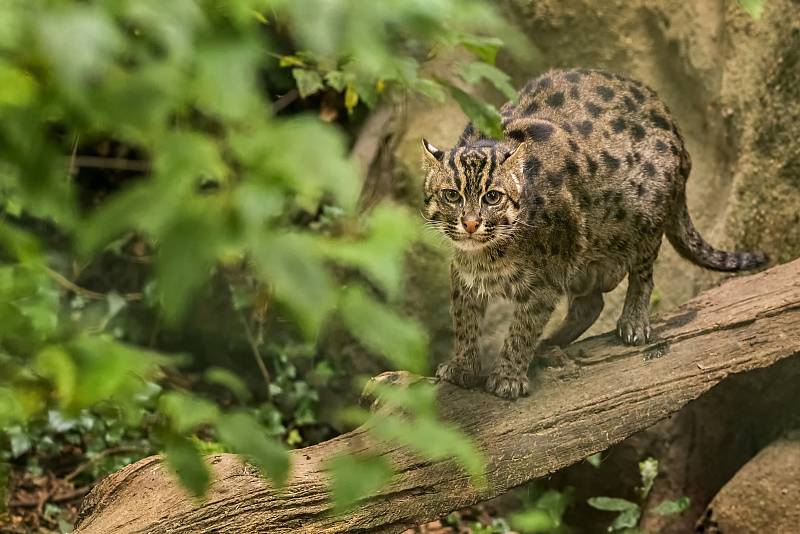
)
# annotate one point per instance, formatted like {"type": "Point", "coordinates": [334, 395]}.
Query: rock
{"type": "Point", "coordinates": [762, 497]}
{"type": "Point", "coordinates": [734, 86]}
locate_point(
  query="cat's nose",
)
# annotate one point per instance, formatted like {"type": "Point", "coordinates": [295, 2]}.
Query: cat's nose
{"type": "Point", "coordinates": [471, 223]}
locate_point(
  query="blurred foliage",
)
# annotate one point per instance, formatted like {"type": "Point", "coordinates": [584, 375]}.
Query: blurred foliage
{"type": "Point", "coordinates": [220, 172]}
{"type": "Point", "coordinates": [629, 512]}
{"type": "Point", "coordinates": [544, 511]}
{"type": "Point", "coordinates": [755, 8]}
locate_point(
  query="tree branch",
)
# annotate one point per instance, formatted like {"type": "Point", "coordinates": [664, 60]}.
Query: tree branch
{"type": "Point", "coordinates": [610, 392]}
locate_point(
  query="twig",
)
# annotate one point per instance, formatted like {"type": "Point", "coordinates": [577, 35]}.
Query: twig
{"type": "Point", "coordinates": [285, 100]}
{"type": "Point", "coordinates": [99, 456]}
{"type": "Point", "coordinates": [73, 155]}
{"type": "Point", "coordinates": [88, 293]}
{"type": "Point", "coordinates": [61, 497]}
{"type": "Point", "coordinates": [256, 353]}
{"type": "Point", "coordinates": [117, 164]}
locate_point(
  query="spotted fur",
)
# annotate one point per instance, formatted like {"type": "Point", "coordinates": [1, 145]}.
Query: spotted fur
{"type": "Point", "coordinates": [590, 175]}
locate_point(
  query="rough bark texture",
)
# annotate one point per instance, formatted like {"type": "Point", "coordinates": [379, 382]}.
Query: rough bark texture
{"type": "Point", "coordinates": [763, 496]}
{"type": "Point", "coordinates": [606, 393]}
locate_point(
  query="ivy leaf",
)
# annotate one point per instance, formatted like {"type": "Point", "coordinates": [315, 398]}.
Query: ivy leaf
{"type": "Point", "coordinates": [308, 81]}
{"type": "Point", "coordinates": [627, 519]}
{"type": "Point", "coordinates": [612, 504]}
{"type": "Point", "coordinates": [356, 477]}
{"type": "Point", "coordinates": [336, 80]}
{"type": "Point", "coordinates": [484, 115]}
{"type": "Point", "coordinates": [672, 507]}
{"type": "Point", "coordinates": [547, 513]}
{"type": "Point", "coordinates": [245, 436]}
{"type": "Point", "coordinates": [648, 469]}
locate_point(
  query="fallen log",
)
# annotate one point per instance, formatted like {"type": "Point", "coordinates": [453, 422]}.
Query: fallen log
{"type": "Point", "coordinates": [606, 393]}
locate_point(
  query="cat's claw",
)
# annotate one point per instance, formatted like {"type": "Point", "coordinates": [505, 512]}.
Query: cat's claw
{"type": "Point", "coordinates": [507, 386]}
{"type": "Point", "coordinates": [458, 374]}
{"type": "Point", "coordinates": [634, 332]}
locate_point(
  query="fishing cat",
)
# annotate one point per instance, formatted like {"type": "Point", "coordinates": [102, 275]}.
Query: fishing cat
{"type": "Point", "coordinates": [589, 176]}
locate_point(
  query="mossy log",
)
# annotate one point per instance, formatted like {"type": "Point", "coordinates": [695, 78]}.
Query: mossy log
{"type": "Point", "coordinates": [604, 393]}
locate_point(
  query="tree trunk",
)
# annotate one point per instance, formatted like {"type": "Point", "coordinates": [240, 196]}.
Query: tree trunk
{"type": "Point", "coordinates": [606, 392]}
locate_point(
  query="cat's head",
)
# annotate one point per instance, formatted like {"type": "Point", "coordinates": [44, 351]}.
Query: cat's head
{"type": "Point", "coordinates": [472, 193]}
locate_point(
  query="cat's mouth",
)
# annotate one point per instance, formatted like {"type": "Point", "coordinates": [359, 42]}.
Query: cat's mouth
{"type": "Point", "coordinates": [471, 242]}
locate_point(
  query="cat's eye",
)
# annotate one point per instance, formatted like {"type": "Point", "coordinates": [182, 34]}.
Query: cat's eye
{"type": "Point", "coordinates": [492, 197]}
{"type": "Point", "coordinates": [451, 195]}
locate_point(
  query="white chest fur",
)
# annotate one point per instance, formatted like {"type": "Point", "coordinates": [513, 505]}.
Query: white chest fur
{"type": "Point", "coordinates": [488, 277]}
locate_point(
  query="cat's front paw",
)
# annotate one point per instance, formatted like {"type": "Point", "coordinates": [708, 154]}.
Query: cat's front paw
{"type": "Point", "coordinates": [459, 373]}
{"type": "Point", "coordinates": [506, 385]}
{"type": "Point", "coordinates": [634, 331]}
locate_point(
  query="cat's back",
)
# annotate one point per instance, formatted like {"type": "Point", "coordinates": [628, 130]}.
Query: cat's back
{"type": "Point", "coordinates": [596, 110]}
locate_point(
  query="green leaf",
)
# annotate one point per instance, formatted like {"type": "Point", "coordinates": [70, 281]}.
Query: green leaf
{"type": "Point", "coordinates": [225, 84]}
{"type": "Point", "coordinates": [182, 160]}
{"type": "Point", "coordinates": [434, 440]}
{"type": "Point", "coordinates": [109, 370]}
{"type": "Point", "coordinates": [79, 42]}
{"type": "Point", "coordinates": [290, 265]}
{"type": "Point", "coordinates": [55, 364]}
{"type": "Point", "coordinates": [595, 459]}
{"type": "Point", "coordinates": [672, 507]}
{"type": "Point", "coordinates": [187, 252]}
{"type": "Point", "coordinates": [484, 115]}
{"type": "Point", "coordinates": [475, 71]}
{"type": "Point", "coordinates": [336, 79]}
{"type": "Point", "coordinates": [245, 436]}
{"type": "Point", "coordinates": [612, 504]}
{"type": "Point", "coordinates": [350, 97]}
{"type": "Point", "coordinates": [391, 230]}
{"type": "Point", "coordinates": [532, 521]}
{"type": "Point", "coordinates": [308, 81]}
{"type": "Point", "coordinates": [627, 519]}
{"type": "Point", "coordinates": [648, 468]}
{"type": "Point", "coordinates": [429, 88]}
{"type": "Point", "coordinates": [19, 440]}
{"type": "Point", "coordinates": [356, 477]}
{"type": "Point", "coordinates": [547, 512]}
{"type": "Point", "coordinates": [755, 8]}
{"type": "Point", "coordinates": [291, 61]}
{"type": "Point", "coordinates": [187, 412]}
{"type": "Point", "coordinates": [225, 378]}
{"type": "Point", "coordinates": [185, 460]}
{"type": "Point", "coordinates": [418, 398]}
{"type": "Point", "coordinates": [485, 48]}
{"type": "Point", "coordinates": [17, 87]}
{"type": "Point", "coordinates": [386, 332]}
{"type": "Point", "coordinates": [19, 244]}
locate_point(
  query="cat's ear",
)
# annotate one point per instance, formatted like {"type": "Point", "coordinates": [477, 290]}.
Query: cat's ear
{"type": "Point", "coordinates": [511, 156]}
{"type": "Point", "coordinates": [431, 152]}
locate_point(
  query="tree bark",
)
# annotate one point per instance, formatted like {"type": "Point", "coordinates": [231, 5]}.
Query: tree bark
{"type": "Point", "coordinates": [605, 393]}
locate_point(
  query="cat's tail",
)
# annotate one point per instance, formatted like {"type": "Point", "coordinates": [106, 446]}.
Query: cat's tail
{"type": "Point", "coordinates": [690, 244]}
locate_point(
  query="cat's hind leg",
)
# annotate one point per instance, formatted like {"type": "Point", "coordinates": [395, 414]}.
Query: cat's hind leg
{"type": "Point", "coordinates": [582, 313]}
{"type": "Point", "coordinates": [633, 326]}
